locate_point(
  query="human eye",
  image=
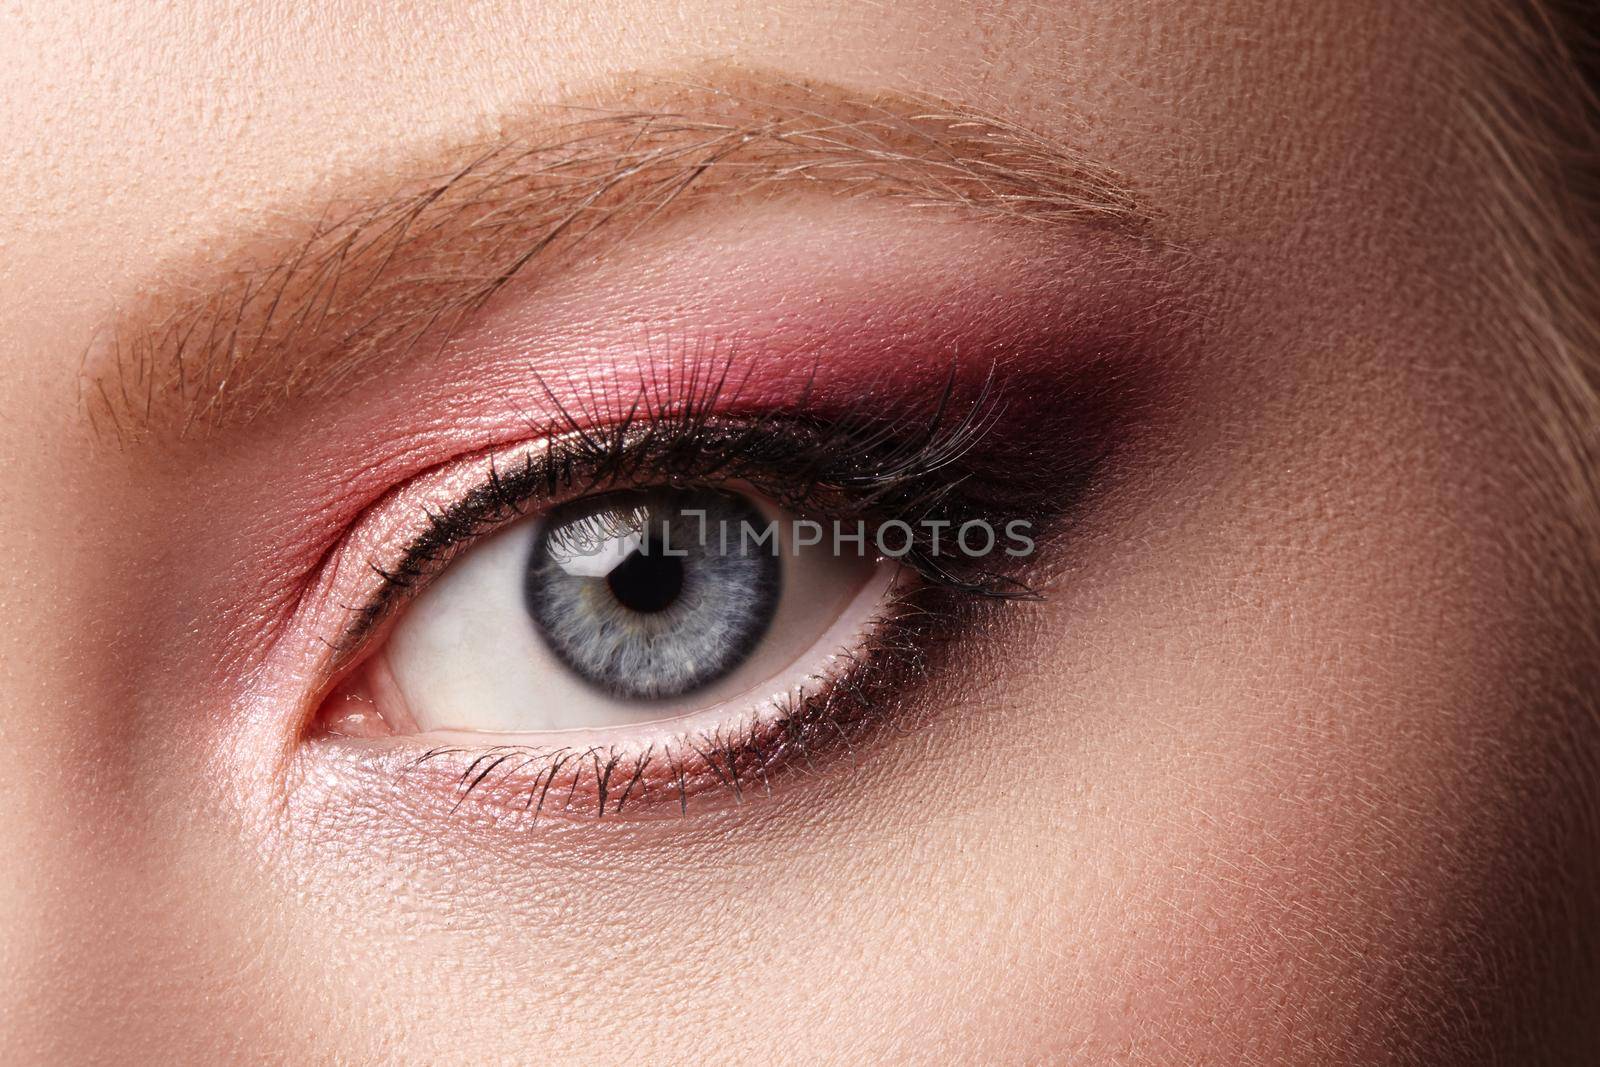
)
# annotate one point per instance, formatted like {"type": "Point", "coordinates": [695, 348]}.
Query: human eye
{"type": "Point", "coordinates": [679, 605]}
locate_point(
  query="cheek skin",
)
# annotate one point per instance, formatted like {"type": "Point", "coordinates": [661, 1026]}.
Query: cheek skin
{"type": "Point", "coordinates": [1329, 752]}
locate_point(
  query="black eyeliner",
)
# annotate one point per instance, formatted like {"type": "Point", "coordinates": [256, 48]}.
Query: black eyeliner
{"type": "Point", "coordinates": [856, 464]}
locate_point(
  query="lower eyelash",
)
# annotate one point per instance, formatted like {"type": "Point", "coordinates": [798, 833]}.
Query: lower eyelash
{"type": "Point", "coordinates": [868, 689]}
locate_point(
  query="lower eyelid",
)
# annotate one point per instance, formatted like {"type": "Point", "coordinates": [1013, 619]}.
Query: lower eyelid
{"type": "Point", "coordinates": [705, 759]}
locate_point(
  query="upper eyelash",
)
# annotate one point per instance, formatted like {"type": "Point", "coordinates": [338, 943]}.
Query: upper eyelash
{"type": "Point", "coordinates": [856, 463]}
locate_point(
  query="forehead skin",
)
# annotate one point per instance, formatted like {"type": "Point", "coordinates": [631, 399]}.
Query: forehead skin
{"type": "Point", "coordinates": [1315, 790]}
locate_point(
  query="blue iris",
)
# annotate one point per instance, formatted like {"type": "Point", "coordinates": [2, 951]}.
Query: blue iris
{"type": "Point", "coordinates": [650, 594]}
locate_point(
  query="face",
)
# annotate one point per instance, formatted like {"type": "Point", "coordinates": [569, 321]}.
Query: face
{"type": "Point", "coordinates": [1164, 638]}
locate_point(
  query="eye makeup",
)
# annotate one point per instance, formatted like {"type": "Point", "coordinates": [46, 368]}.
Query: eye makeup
{"type": "Point", "coordinates": [933, 467]}
{"type": "Point", "coordinates": [936, 394]}
{"type": "Point", "coordinates": [851, 465]}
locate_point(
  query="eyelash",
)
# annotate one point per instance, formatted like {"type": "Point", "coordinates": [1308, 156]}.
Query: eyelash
{"type": "Point", "coordinates": [853, 465]}
{"type": "Point", "coordinates": [929, 462]}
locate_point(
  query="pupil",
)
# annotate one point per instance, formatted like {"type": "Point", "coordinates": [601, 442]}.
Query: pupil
{"type": "Point", "coordinates": [646, 583]}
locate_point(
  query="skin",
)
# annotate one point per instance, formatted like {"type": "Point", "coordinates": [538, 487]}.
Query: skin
{"type": "Point", "coordinates": [1293, 765]}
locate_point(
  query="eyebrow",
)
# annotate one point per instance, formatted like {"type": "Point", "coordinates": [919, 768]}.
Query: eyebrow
{"type": "Point", "coordinates": [374, 276]}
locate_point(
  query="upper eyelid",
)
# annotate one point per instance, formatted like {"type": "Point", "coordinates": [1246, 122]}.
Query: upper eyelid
{"type": "Point", "coordinates": [1032, 442]}
{"type": "Point", "coordinates": [497, 493]}
{"type": "Point", "coordinates": [931, 434]}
